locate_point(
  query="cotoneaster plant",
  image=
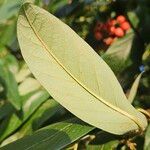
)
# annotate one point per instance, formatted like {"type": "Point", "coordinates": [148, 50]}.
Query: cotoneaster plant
{"type": "Point", "coordinates": [74, 75]}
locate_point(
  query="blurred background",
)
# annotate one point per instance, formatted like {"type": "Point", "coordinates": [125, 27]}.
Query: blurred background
{"type": "Point", "coordinates": [118, 30]}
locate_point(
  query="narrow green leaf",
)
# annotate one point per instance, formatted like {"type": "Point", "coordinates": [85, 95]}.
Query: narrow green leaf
{"type": "Point", "coordinates": [73, 73]}
{"type": "Point", "coordinates": [112, 145]}
{"type": "Point", "coordinates": [45, 112]}
{"type": "Point", "coordinates": [8, 60]}
{"type": "Point", "coordinates": [54, 137]}
{"type": "Point", "coordinates": [118, 53]}
{"type": "Point", "coordinates": [147, 139]}
{"type": "Point", "coordinates": [8, 9]}
{"type": "Point", "coordinates": [122, 46]}
{"type": "Point", "coordinates": [146, 55]}
{"type": "Point", "coordinates": [11, 86]}
{"type": "Point", "coordinates": [23, 73]}
{"type": "Point", "coordinates": [29, 85]}
{"type": "Point", "coordinates": [8, 33]}
{"type": "Point", "coordinates": [134, 19]}
{"type": "Point", "coordinates": [134, 88]}
{"type": "Point", "coordinates": [12, 63]}
{"type": "Point", "coordinates": [6, 110]}
{"type": "Point", "coordinates": [104, 141]}
{"type": "Point", "coordinates": [55, 5]}
{"type": "Point", "coordinates": [31, 103]}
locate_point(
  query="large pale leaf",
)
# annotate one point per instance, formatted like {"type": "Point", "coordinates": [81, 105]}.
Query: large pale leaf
{"type": "Point", "coordinates": [73, 73]}
{"type": "Point", "coordinates": [53, 137]}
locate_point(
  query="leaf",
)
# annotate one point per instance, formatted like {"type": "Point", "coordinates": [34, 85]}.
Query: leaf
{"type": "Point", "coordinates": [134, 88]}
{"type": "Point", "coordinates": [117, 54]}
{"type": "Point", "coordinates": [73, 73]}
{"type": "Point", "coordinates": [8, 33]}
{"type": "Point", "coordinates": [9, 9]}
{"type": "Point", "coordinates": [147, 139]}
{"type": "Point", "coordinates": [54, 6]}
{"type": "Point", "coordinates": [28, 85]}
{"type": "Point", "coordinates": [8, 60]}
{"type": "Point", "coordinates": [122, 46]}
{"type": "Point", "coordinates": [12, 63]}
{"type": "Point", "coordinates": [133, 18]}
{"type": "Point", "coordinates": [30, 104]}
{"type": "Point", "coordinates": [112, 145]}
{"type": "Point", "coordinates": [11, 86]}
{"type": "Point", "coordinates": [67, 9]}
{"type": "Point", "coordinates": [146, 55]}
{"type": "Point", "coordinates": [45, 111]}
{"type": "Point", "coordinates": [54, 111]}
{"type": "Point", "coordinates": [5, 110]}
{"type": "Point", "coordinates": [22, 74]}
{"type": "Point", "coordinates": [55, 136]}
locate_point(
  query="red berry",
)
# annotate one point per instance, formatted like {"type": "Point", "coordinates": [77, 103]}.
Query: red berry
{"type": "Point", "coordinates": [108, 41]}
{"type": "Point", "coordinates": [112, 29]}
{"type": "Point", "coordinates": [113, 22]}
{"type": "Point", "coordinates": [125, 26]}
{"type": "Point", "coordinates": [119, 32]}
{"type": "Point", "coordinates": [98, 35]}
{"type": "Point", "coordinates": [121, 19]}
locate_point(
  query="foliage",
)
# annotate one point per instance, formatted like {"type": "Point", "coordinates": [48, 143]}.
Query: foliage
{"type": "Point", "coordinates": [31, 119]}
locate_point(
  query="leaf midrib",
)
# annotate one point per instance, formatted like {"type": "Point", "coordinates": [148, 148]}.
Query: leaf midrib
{"type": "Point", "coordinates": [133, 118]}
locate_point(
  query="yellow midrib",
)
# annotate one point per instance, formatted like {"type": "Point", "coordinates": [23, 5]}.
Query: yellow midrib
{"type": "Point", "coordinates": [74, 78]}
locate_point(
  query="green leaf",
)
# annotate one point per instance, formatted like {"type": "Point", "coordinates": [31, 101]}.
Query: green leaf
{"type": "Point", "coordinates": [133, 18]}
{"type": "Point", "coordinates": [8, 33]}
{"type": "Point", "coordinates": [118, 53]}
{"type": "Point", "coordinates": [9, 61]}
{"type": "Point", "coordinates": [12, 63]}
{"type": "Point", "coordinates": [146, 55]}
{"type": "Point", "coordinates": [104, 140]}
{"type": "Point", "coordinates": [147, 139]}
{"type": "Point", "coordinates": [45, 112]}
{"type": "Point", "coordinates": [56, 5]}
{"type": "Point", "coordinates": [5, 110]}
{"type": "Point", "coordinates": [29, 85]}
{"type": "Point", "coordinates": [10, 85]}
{"type": "Point", "coordinates": [55, 136]}
{"type": "Point", "coordinates": [30, 104]}
{"type": "Point", "coordinates": [134, 88]}
{"type": "Point", "coordinates": [122, 46]}
{"type": "Point", "coordinates": [23, 73]}
{"type": "Point", "coordinates": [111, 145]}
{"type": "Point", "coordinates": [73, 73]}
{"type": "Point", "coordinates": [8, 9]}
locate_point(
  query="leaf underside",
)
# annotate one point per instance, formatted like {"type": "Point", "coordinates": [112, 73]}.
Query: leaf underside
{"type": "Point", "coordinates": [73, 73]}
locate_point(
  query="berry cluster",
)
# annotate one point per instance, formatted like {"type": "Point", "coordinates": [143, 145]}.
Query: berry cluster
{"type": "Point", "coordinates": [113, 28]}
